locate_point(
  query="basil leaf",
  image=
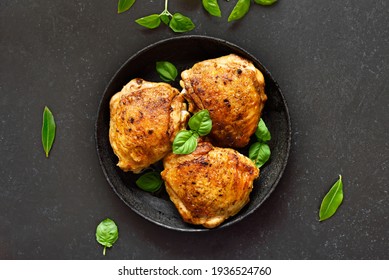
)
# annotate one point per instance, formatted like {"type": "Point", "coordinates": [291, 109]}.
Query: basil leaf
{"type": "Point", "coordinates": [331, 200]}
{"type": "Point", "coordinates": [185, 142]}
{"type": "Point", "coordinates": [240, 10]}
{"type": "Point", "coordinates": [48, 130]}
{"type": "Point", "coordinates": [166, 70]}
{"type": "Point", "coordinates": [124, 5]}
{"type": "Point", "coordinates": [265, 2]}
{"type": "Point", "coordinates": [259, 153]}
{"type": "Point", "coordinates": [212, 7]}
{"type": "Point", "coordinates": [201, 122]}
{"type": "Point", "coordinates": [107, 233]}
{"type": "Point", "coordinates": [180, 23]}
{"type": "Point", "coordinates": [262, 133]}
{"type": "Point", "coordinates": [150, 182]}
{"type": "Point", "coordinates": [164, 18]}
{"type": "Point", "coordinates": [151, 21]}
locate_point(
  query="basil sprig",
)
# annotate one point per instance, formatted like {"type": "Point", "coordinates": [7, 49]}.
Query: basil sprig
{"type": "Point", "coordinates": [150, 182]}
{"type": "Point", "coordinates": [177, 22]}
{"type": "Point", "coordinates": [185, 142]}
{"type": "Point", "coordinates": [331, 200]}
{"type": "Point", "coordinates": [259, 152]}
{"type": "Point", "coordinates": [107, 233]}
{"type": "Point", "coordinates": [48, 130]}
{"type": "Point", "coordinates": [166, 70]}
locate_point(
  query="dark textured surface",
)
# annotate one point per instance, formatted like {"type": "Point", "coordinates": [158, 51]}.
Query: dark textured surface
{"type": "Point", "coordinates": [331, 60]}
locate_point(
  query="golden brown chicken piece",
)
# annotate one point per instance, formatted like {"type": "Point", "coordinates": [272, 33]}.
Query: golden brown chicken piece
{"type": "Point", "coordinates": [232, 89]}
{"type": "Point", "coordinates": [209, 185]}
{"type": "Point", "coordinates": [144, 119]}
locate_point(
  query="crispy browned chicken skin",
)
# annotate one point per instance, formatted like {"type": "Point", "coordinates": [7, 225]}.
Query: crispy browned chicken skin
{"type": "Point", "coordinates": [232, 89]}
{"type": "Point", "coordinates": [145, 117]}
{"type": "Point", "coordinates": [209, 185]}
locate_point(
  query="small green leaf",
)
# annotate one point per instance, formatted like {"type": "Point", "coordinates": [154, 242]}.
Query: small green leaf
{"type": "Point", "coordinates": [164, 18]}
{"type": "Point", "coordinates": [107, 233]}
{"type": "Point", "coordinates": [212, 7]}
{"type": "Point", "coordinates": [262, 133]}
{"type": "Point", "coordinates": [124, 5]}
{"type": "Point", "coordinates": [265, 2]}
{"type": "Point", "coordinates": [150, 182]}
{"type": "Point", "coordinates": [259, 153]}
{"type": "Point", "coordinates": [331, 200]}
{"type": "Point", "coordinates": [185, 142]}
{"type": "Point", "coordinates": [48, 130]}
{"type": "Point", "coordinates": [166, 70]}
{"type": "Point", "coordinates": [151, 21]}
{"type": "Point", "coordinates": [201, 122]}
{"type": "Point", "coordinates": [240, 10]}
{"type": "Point", "coordinates": [180, 23]}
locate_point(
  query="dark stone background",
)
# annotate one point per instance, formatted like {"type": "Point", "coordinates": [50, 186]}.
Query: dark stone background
{"type": "Point", "coordinates": [330, 59]}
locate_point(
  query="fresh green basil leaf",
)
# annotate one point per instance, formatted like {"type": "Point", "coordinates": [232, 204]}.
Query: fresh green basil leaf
{"type": "Point", "coordinates": [150, 22]}
{"type": "Point", "coordinates": [259, 153]}
{"type": "Point", "coordinates": [331, 200]}
{"type": "Point", "coordinates": [107, 233]}
{"type": "Point", "coordinates": [201, 122]}
{"type": "Point", "coordinates": [185, 142]}
{"type": "Point", "coordinates": [240, 10]}
{"type": "Point", "coordinates": [150, 182]}
{"type": "Point", "coordinates": [166, 70]}
{"type": "Point", "coordinates": [180, 23]}
{"type": "Point", "coordinates": [262, 133]}
{"type": "Point", "coordinates": [164, 18]}
{"type": "Point", "coordinates": [212, 7]}
{"type": "Point", "coordinates": [124, 5]}
{"type": "Point", "coordinates": [265, 2]}
{"type": "Point", "coordinates": [48, 130]}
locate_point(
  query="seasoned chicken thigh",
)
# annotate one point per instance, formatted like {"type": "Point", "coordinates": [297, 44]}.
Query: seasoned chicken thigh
{"type": "Point", "coordinates": [144, 119]}
{"type": "Point", "coordinates": [232, 89]}
{"type": "Point", "coordinates": [209, 185]}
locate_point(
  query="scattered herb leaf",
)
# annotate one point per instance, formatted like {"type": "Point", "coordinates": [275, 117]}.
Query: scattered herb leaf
{"type": "Point", "coordinates": [240, 10]}
{"type": "Point", "coordinates": [265, 2]}
{"type": "Point", "coordinates": [180, 23]}
{"type": "Point", "coordinates": [166, 70]}
{"type": "Point", "coordinates": [331, 200]}
{"type": "Point", "coordinates": [201, 122]}
{"type": "Point", "coordinates": [107, 233]}
{"type": "Point", "coordinates": [124, 5]}
{"type": "Point", "coordinates": [185, 142]}
{"type": "Point", "coordinates": [151, 21]}
{"type": "Point", "coordinates": [259, 152]}
{"type": "Point", "coordinates": [262, 133]}
{"type": "Point", "coordinates": [150, 182]}
{"type": "Point", "coordinates": [48, 130]}
{"type": "Point", "coordinates": [212, 7]}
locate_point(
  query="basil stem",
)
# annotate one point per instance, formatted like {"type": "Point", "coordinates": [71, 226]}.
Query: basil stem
{"type": "Point", "coordinates": [240, 10]}
{"type": "Point", "coordinates": [150, 182]}
{"type": "Point", "coordinates": [48, 130]}
{"type": "Point", "coordinates": [331, 200]}
{"type": "Point", "coordinates": [107, 233]}
{"type": "Point", "coordinates": [124, 5]}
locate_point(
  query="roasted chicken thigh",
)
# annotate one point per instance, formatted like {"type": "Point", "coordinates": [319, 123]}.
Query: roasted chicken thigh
{"type": "Point", "coordinates": [209, 185]}
{"type": "Point", "coordinates": [232, 89]}
{"type": "Point", "coordinates": [144, 119]}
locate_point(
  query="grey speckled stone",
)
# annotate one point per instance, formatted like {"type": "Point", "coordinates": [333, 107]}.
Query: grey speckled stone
{"type": "Point", "coordinates": [330, 59]}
